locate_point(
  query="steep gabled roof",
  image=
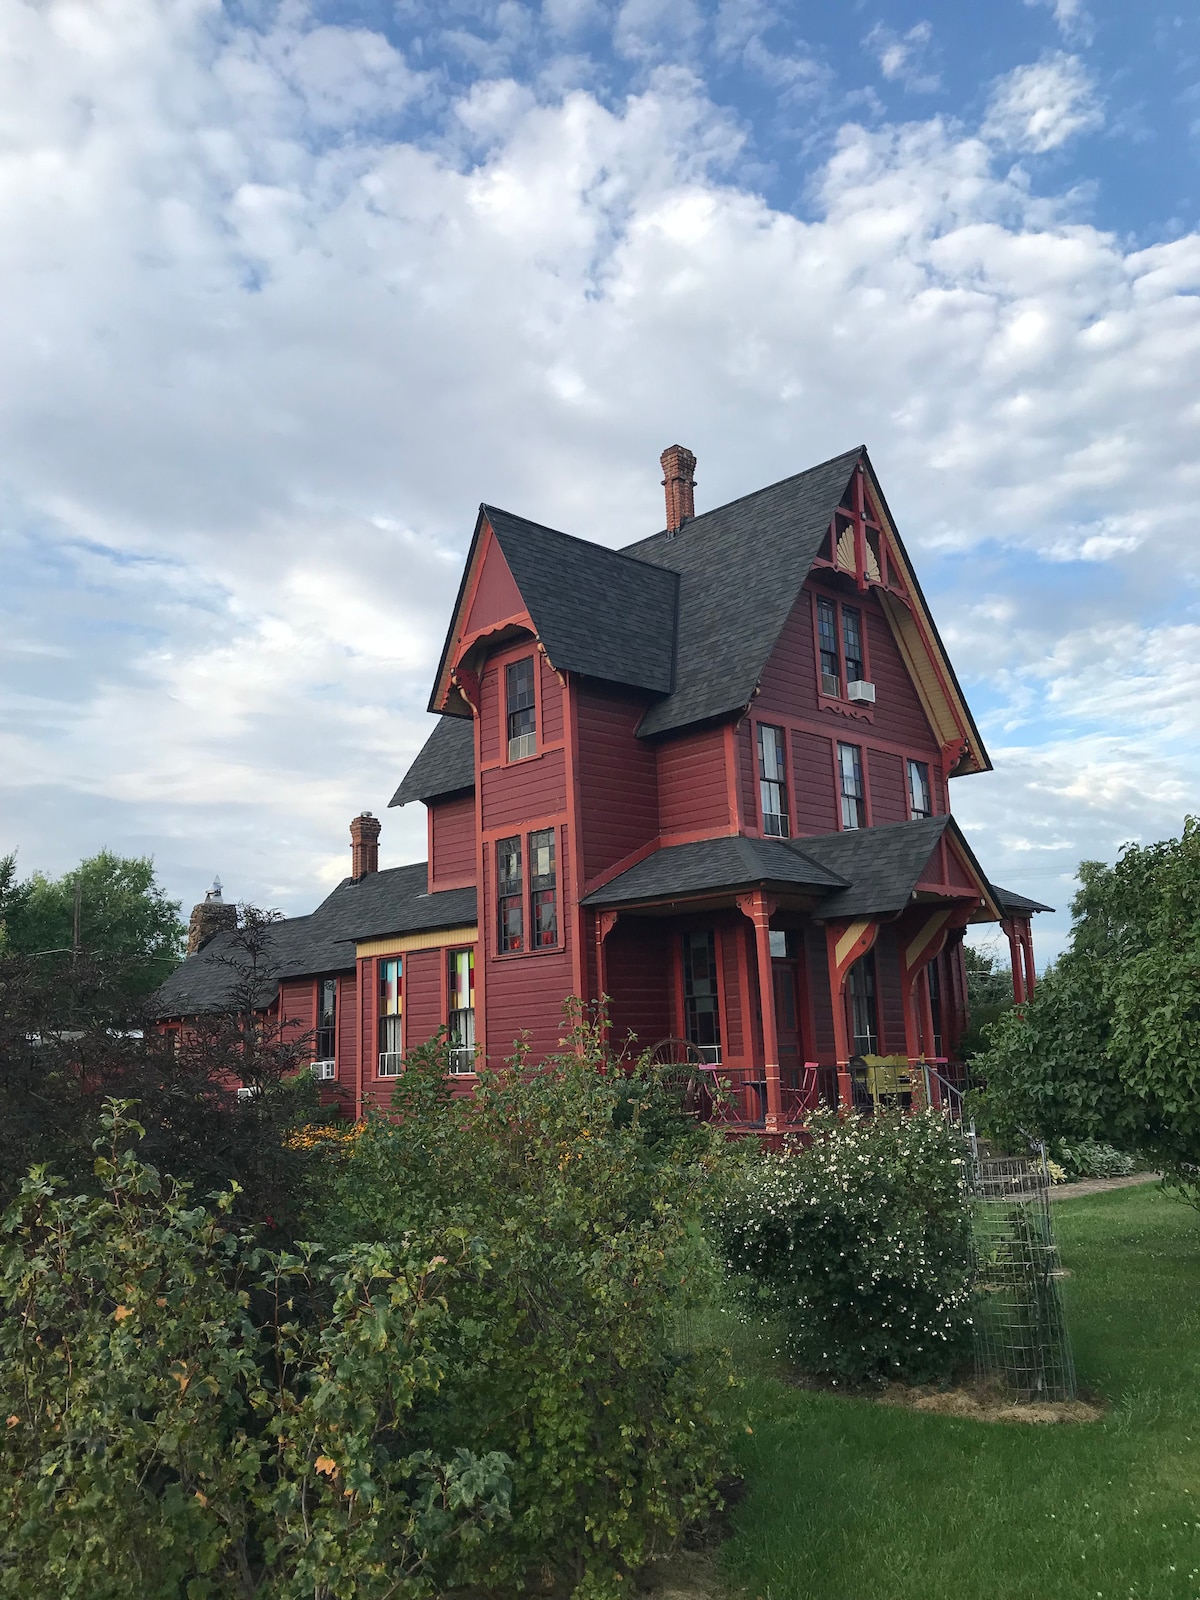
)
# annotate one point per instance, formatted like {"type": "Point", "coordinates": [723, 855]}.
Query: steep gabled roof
{"type": "Point", "coordinates": [880, 866]}
{"type": "Point", "coordinates": [597, 611]}
{"type": "Point", "coordinates": [393, 901]}
{"type": "Point", "coordinates": [445, 763]}
{"type": "Point", "coordinates": [704, 865]}
{"type": "Point", "coordinates": [741, 569]}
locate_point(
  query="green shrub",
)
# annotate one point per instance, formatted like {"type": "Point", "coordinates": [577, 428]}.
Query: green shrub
{"type": "Point", "coordinates": [1089, 1158]}
{"type": "Point", "coordinates": [586, 1187]}
{"type": "Point", "coordinates": [187, 1415]}
{"type": "Point", "coordinates": [859, 1242]}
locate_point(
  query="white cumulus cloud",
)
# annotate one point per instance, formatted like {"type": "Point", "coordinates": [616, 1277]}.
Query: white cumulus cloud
{"type": "Point", "coordinates": [1038, 107]}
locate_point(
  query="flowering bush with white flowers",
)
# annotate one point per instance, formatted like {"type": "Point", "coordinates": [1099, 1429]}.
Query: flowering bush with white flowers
{"type": "Point", "coordinates": [859, 1241]}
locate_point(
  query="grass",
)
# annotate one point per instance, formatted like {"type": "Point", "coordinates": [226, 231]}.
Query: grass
{"type": "Point", "coordinates": [850, 1500]}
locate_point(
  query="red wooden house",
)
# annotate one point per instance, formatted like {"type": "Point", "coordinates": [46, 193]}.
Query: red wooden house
{"type": "Point", "coordinates": [706, 776]}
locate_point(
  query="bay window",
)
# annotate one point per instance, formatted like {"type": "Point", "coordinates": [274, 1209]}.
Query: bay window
{"type": "Point", "coordinates": [772, 781]}
{"type": "Point", "coordinates": [853, 790]}
{"type": "Point", "coordinates": [543, 889]}
{"type": "Point", "coordinates": [701, 1002]}
{"type": "Point", "coordinates": [391, 1016]}
{"type": "Point", "coordinates": [510, 896]}
{"type": "Point", "coordinates": [460, 1024]}
{"type": "Point", "coordinates": [521, 708]}
{"type": "Point", "coordinates": [919, 804]}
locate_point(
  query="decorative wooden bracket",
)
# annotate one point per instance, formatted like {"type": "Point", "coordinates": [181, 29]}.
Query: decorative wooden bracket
{"type": "Point", "coordinates": [846, 942]}
{"type": "Point", "coordinates": [466, 681]}
{"type": "Point", "coordinates": [606, 921]}
{"type": "Point", "coordinates": [756, 904]}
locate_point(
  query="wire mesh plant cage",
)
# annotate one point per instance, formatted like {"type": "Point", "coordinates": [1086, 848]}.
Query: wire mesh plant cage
{"type": "Point", "coordinates": [1020, 1333]}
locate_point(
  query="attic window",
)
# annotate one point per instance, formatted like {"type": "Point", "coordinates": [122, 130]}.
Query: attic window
{"type": "Point", "coordinates": [521, 708]}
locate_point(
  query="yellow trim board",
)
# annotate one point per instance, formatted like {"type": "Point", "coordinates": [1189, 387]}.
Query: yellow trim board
{"type": "Point", "coordinates": [399, 943]}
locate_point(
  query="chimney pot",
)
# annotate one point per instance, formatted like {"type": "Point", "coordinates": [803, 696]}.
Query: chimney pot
{"type": "Point", "coordinates": [364, 845]}
{"type": "Point", "coordinates": [679, 481]}
{"type": "Point", "coordinates": [211, 916]}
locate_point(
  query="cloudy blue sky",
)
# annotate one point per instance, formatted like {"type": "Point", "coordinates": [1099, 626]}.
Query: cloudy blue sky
{"type": "Point", "coordinates": [289, 288]}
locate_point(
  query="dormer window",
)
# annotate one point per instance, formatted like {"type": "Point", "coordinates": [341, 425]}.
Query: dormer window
{"type": "Point", "coordinates": [842, 653]}
{"type": "Point", "coordinates": [521, 708]}
{"type": "Point", "coordinates": [772, 781]}
{"type": "Point", "coordinates": [827, 638]}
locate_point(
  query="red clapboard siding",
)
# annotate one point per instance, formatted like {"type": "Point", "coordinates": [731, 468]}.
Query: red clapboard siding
{"type": "Point", "coordinates": [732, 937]}
{"type": "Point", "coordinates": [347, 1029]}
{"type": "Point", "coordinates": [693, 794]}
{"type": "Point", "coordinates": [618, 783]}
{"type": "Point", "coordinates": [452, 863]}
{"type": "Point", "coordinates": [818, 988]}
{"type": "Point", "coordinates": [551, 730]}
{"type": "Point", "coordinates": [813, 798]}
{"type": "Point", "coordinates": [898, 712]}
{"type": "Point", "coordinates": [496, 594]}
{"type": "Point", "coordinates": [299, 1010]}
{"type": "Point", "coordinates": [514, 795]}
{"type": "Point", "coordinates": [422, 996]}
{"type": "Point", "coordinates": [638, 960]}
{"type": "Point", "coordinates": [489, 716]}
{"type": "Point", "coordinates": [789, 682]}
{"type": "Point", "coordinates": [746, 741]}
{"type": "Point", "coordinates": [888, 800]}
{"type": "Point", "coordinates": [887, 994]}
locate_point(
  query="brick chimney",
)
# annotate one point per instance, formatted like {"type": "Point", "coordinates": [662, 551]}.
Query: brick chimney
{"type": "Point", "coordinates": [679, 480]}
{"type": "Point", "coordinates": [364, 845]}
{"type": "Point", "coordinates": [211, 916]}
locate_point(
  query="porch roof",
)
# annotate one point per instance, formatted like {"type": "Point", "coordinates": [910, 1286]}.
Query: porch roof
{"type": "Point", "coordinates": [1017, 905]}
{"type": "Point", "coordinates": [731, 862]}
{"type": "Point", "coordinates": [862, 872]}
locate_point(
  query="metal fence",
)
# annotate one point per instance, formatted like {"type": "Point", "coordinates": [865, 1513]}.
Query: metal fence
{"type": "Point", "coordinates": [1020, 1333]}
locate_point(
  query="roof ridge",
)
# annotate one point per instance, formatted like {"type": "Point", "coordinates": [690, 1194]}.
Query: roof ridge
{"type": "Point", "coordinates": [751, 494]}
{"type": "Point", "coordinates": [544, 527]}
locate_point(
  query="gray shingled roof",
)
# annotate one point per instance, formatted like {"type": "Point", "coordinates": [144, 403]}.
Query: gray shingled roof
{"type": "Point", "coordinates": [732, 862]}
{"type": "Point", "coordinates": [597, 611]}
{"type": "Point", "coordinates": [741, 568]}
{"type": "Point", "coordinates": [881, 866]}
{"type": "Point", "coordinates": [1017, 905]}
{"type": "Point", "coordinates": [392, 901]}
{"type": "Point", "coordinates": [445, 763]}
{"type": "Point", "coordinates": [864, 871]}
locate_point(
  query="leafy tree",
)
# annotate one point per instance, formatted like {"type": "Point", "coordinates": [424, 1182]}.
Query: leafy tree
{"type": "Point", "coordinates": [188, 1414]}
{"type": "Point", "coordinates": [72, 1032]}
{"type": "Point", "coordinates": [124, 916]}
{"type": "Point", "coordinates": [989, 995]}
{"type": "Point", "coordinates": [585, 1188]}
{"type": "Point", "coordinates": [1107, 1047]}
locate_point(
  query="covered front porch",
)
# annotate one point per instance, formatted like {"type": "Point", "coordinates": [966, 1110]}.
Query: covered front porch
{"type": "Point", "coordinates": [836, 978]}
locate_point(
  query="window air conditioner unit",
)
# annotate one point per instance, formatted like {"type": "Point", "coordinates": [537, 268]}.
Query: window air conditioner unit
{"type": "Point", "coordinates": [861, 692]}
{"type": "Point", "coordinates": [248, 1092]}
{"type": "Point", "coordinates": [389, 1063]}
{"type": "Point", "coordinates": [323, 1071]}
{"type": "Point", "coordinates": [710, 1054]}
{"type": "Point", "coordinates": [525, 744]}
{"type": "Point", "coordinates": [462, 1058]}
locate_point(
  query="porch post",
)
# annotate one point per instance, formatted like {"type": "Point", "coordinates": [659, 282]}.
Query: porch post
{"type": "Point", "coordinates": [758, 907]}
{"type": "Point", "coordinates": [1016, 958]}
{"type": "Point", "coordinates": [1027, 952]}
{"type": "Point", "coordinates": [605, 922]}
{"type": "Point", "coordinates": [845, 942]}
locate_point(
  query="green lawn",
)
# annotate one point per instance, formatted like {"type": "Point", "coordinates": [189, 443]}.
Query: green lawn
{"type": "Point", "coordinates": [848, 1500]}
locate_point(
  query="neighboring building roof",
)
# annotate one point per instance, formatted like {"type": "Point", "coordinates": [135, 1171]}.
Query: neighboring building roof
{"type": "Point", "coordinates": [1016, 905]}
{"type": "Point", "coordinates": [741, 568]}
{"type": "Point", "coordinates": [679, 870]}
{"type": "Point", "coordinates": [392, 901]}
{"type": "Point", "coordinates": [445, 763]}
